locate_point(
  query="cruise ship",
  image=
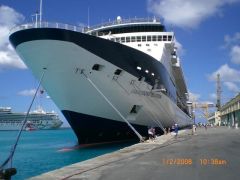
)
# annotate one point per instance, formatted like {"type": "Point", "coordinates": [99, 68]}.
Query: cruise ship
{"type": "Point", "coordinates": [36, 120]}
{"type": "Point", "coordinates": [112, 81]}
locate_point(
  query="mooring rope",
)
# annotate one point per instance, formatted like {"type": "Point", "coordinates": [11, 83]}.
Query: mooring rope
{"type": "Point", "coordinates": [9, 159]}
{"type": "Point", "coordinates": [153, 116]}
{"type": "Point", "coordinates": [118, 112]}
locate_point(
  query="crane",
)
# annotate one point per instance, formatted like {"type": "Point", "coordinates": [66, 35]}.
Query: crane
{"type": "Point", "coordinates": [218, 92]}
{"type": "Point", "coordinates": [203, 107]}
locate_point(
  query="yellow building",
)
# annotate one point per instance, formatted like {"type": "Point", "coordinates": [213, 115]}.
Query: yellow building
{"type": "Point", "coordinates": [215, 118]}
{"type": "Point", "coordinates": [230, 112]}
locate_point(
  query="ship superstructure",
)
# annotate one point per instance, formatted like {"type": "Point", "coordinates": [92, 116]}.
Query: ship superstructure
{"type": "Point", "coordinates": [149, 36]}
{"type": "Point", "coordinates": [132, 62]}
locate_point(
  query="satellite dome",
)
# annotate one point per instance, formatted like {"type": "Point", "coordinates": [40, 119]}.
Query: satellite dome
{"type": "Point", "coordinates": [119, 19]}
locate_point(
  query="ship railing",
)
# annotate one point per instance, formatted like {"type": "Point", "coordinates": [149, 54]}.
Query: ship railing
{"type": "Point", "coordinates": [123, 21]}
{"type": "Point", "coordinates": [47, 25]}
{"type": "Point", "coordinates": [81, 28]}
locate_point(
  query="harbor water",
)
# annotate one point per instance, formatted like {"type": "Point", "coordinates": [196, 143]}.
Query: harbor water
{"type": "Point", "coordinates": [46, 150]}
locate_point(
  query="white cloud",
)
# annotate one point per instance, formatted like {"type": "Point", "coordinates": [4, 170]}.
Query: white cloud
{"type": "Point", "coordinates": [235, 54]}
{"type": "Point", "coordinates": [231, 43]}
{"type": "Point", "coordinates": [213, 96]}
{"type": "Point", "coordinates": [187, 13]}
{"type": "Point", "coordinates": [232, 86]}
{"type": "Point", "coordinates": [231, 40]}
{"type": "Point", "coordinates": [209, 103]}
{"type": "Point", "coordinates": [27, 92]}
{"type": "Point", "coordinates": [194, 96]}
{"type": "Point", "coordinates": [229, 78]}
{"type": "Point", "coordinates": [8, 19]}
{"type": "Point", "coordinates": [227, 74]}
{"type": "Point", "coordinates": [10, 59]}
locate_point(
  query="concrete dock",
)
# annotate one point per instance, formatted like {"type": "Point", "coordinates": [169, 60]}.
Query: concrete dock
{"type": "Point", "coordinates": [209, 154]}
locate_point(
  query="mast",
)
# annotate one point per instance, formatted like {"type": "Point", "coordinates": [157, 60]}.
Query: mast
{"type": "Point", "coordinates": [88, 18]}
{"type": "Point", "coordinates": [40, 13]}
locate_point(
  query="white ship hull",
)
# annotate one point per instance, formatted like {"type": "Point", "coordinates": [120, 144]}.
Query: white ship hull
{"type": "Point", "coordinates": [79, 101]}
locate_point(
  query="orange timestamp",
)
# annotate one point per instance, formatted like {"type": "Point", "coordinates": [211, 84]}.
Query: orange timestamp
{"type": "Point", "coordinates": [177, 161]}
{"type": "Point", "coordinates": [189, 161]}
{"type": "Point", "coordinates": [213, 161]}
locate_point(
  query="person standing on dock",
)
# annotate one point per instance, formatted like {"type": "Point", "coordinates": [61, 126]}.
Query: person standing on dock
{"type": "Point", "coordinates": [169, 130]}
{"type": "Point", "coordinates": [176, 130]}
{"type": "Point", "coordinates": [150, 133]}
{"type": "Point", "coordinates": [154, 133]}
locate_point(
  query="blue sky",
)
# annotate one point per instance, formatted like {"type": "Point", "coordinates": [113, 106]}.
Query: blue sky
{"type": "Point", "coordinates": [208, 32]}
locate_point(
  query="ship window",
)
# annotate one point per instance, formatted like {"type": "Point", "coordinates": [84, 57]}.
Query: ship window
{"type": "Point", "coordinates": [169, 38]}
{"type": "Point", "coordinates": [97, 67]}
{"type": "Point", "coordinates": [136, 28]}
{"type": "Point", "coordinates": [148, 38]}
{"type": "Point", "coordinates": [147, 44]}
{"type": "Point", "coordinates": [112, 39]}
{"type": "Point", "coordinates": [139, 45]}
{"type": "Point", "coordinates": [118, 72]}
{"type": "Point", "coordinates": [155, 44]}
{"type": "Point", "coordinates": [135, 109]}
{"type": "Point", "coordinates": [154, 38]}
{"type": "Point", "coordinates": [138, 38]}
{"type": "Point", "coordinates": [123, 39]}
{"type": "Point", "coordinates": [164, 38]}
{"type": "Point", "coordinates": [174, 53]}
{"type": "Point", "coordinates": [133, 39]}
{"type": "Point", "coordinates": [128, 39]}
{"type": "Point", "coordinates": [159, 38]}
{"type": "Point", "coordinates": [117, 39]}
{"type": "Point", "coordinates": [149, 50]}
{"type": "Point", "coordinates": [100, 33]}
{"type": "Point", "coordinates": [143, 38]}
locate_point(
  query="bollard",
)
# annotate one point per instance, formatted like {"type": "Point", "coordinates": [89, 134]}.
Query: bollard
{"type": "Point", "coordinates": [193, 129]}
{"type": "Point", "coordinates": [6, 174]}
{"type": "Point", "coordinates": [236, 126]}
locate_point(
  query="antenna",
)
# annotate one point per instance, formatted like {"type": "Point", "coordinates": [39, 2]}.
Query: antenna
{"type": "Point", "coordinates": [40, 13]}
{"type": "Point", "coordinates": [36, 18]}
{"type": "Point", "coordinates": [171, 26]}
{"type": "Point", "coordinates": [88, 18]}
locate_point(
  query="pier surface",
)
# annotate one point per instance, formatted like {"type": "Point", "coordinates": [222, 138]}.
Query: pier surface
{"type": "Point", "coordinates": [209, 154]}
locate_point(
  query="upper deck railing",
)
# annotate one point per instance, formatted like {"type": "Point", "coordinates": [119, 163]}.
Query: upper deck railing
{"type": "Point", "coordinates": [80, 28]}
{"type": "Point", "coordinates": [47, 25]}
